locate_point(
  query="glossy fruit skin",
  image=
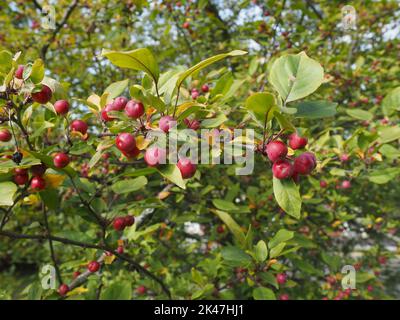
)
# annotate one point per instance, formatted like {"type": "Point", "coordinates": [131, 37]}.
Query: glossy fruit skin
{"type": "Point", "coordinates": [19, 72]}
{"type": "Point", "coordinates": [323, 184]}
{"type": "Point", "coordinates": [119, 224]}
{"type": "Point", "coordinates": [185, 25]}
{"type": "Point", "coordinates": [166, 123]}
{"type": "Point", "coordinates": [61, 160]}
{"type": "Point", "coordinates": [195, 94]}
{"type": "Point", "coordinates": [43, 96]}
{"type": "Point", "coordinates": [120, 249]}
{"type": "Point", "coordinates": [119, 103]}
{"type": "Point", "coordinates": [20, 171]}
{"type": "Point", "coordinates": [344, 157]}
{"type": "Point", "coordinates": [80, 126]}
{"type": "Point", "coordinates": [125, 142]}
{"type": "Point", "coordinates": [281, 278]}
{"type": "Point", "coordinates": [129, 220]}
{"type": "Point", "coordinates": [305, 163]}
{"type": "Point", "coordinates": [282, 169]}
{"type": "Point", "coordinates": [104, 113]}
{"type": "Point", "coordinates": [63, 289]}
{"type": "Point", "coordinates": [93, 266]}
{"type": "Point", "coordinates": [346, 184]}
{"type": "Point", "coordinates": [61, 107]}
{"type": "Point", "coordinates": [186, 167]}
{"type": "Point", "coordinates": [220, 229]}
{"type": "Point", "coordinates": [205, 88]}
{"type": "Point", "coordinates": [154, 156]}
{"type": "Point", "coordinates": [5, 135]}
{"type": "Point", "coordinates": [131, 154]}
{"type": "Point", "coordinates": [141, 290]}
{"type": "Point", "coordinates": [297, 142]}
{"type": "Point", "coordinates": [284, 297]}
{"type": "Point", "coordinates": [38, 183]}
{"type": "Point", "coordinates": [76, 274]}
{"type": "Point", "coordinates": [134, 109]}
{"type": "Point", "coordinates": [192, 124]}
{"type": "Point", "coordinates": [38, 170]}
{"type": "Point", "coordinates": [21, 179]}
{"type": "Point", "coordinates": [276, 150]}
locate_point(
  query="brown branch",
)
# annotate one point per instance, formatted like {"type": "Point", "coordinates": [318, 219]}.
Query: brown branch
{"type": "Point", "coordinates": [52, 253]}
{"type": "Point", "coordinates": [123, 257]}
{"type": "Point", "coordinates": [67, 14]}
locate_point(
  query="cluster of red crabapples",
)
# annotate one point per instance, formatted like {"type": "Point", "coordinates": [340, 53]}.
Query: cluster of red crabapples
{"type": "Point", "coordinates": [283, 167]}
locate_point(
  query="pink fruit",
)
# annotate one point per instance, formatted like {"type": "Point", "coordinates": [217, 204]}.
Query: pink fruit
{"type": "Point", "coordinates": [79, 126]}
{"type": "Point", "coordinates": [346, 184]}
{"type": "Point", "coordinates": [61, 107]}
{"type": "Point", "coordinates": [5, 135]}
{"type": "Point", "coordinates": [166, 123]}
{"type": "Point", "coordinates": [43, 96]}
{"type": "Point", "coordinates": [297, 142]}
{"type": "Point", "coordinates": [155, 156]}
{"type": "Point", "coordinates": [187, 168]}
{"type": "Point", "coordinates": [282, 169]}
{"type": "Point", "coordinates": [119, 103]}
{"type": "Point", "coordinates": [205, 88]}
{"type": "Point", "coordinates": [281, 278]}
{"type": "Point", "coordinates": [134, 109]}
{"type": "Point", "coordinates": [305, 163]}
{"type": "Point", "coordinates": [125, 142]}
{"type": "Point", "coordinates": [19, 72]}
{"type": "Point", "coordinates": [323, 184]}
{"type": "Point", "coordinates": [61, 160]}
{"type": "Point", "coordinates": [276, 150]}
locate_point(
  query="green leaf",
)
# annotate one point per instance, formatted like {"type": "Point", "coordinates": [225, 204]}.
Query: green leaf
{"type": "Point", "coordinates": [391, 101]}
{"type": "Point", "coordinates": [389, 134]}
{"type": "Point", "coordinates": [282, 235]}
{"type": "Point", "coordinates": [35, 291]}
{"type": "Point", "coordinates": [8, 190]}
{"type": "Point", "coordinates": [214, 122]}
{"type": "Point", "coordinates": [315, 109]}
{"type": "Point", "coordinates": [261, 105]}
{"type": "Point", "coordinates": [362, 277]}
{"type": "Point", "coordinates": [382, 176]}
{"type": "Point", "coordinates": [173, 174]}
{"type": "Point", "coordinates": [276, 251]}
{"type": "Point", "coordinates": [117, 291]}
{"type": "Point", "coordinates": [332, 261]}
{"type": "Point", "coordinates": [37, 71]}
{"type": "Point", "coordinates": [48, 161]}
{"type": "Point", "coordinates": [288, 196]}
{"type": "Point", "coordinates": [235, 256]}
{"type": "Point", "coordinates": [140, 59]}
{"type": "Point", "coordinates": [96, 157]}
{"type": "Point", "coordinates": [269, 278]}
{"type": "Point", "coordinates": [296, 76]}
{"type": "Point", "coordinates": [224, 205]}
{"type": "Point", "coordinates": [360, 114]}
{"type": "Point", "coordinates": [284, 122]}
{"type": "Point", "coordinates": [116, 88]}
{"type": "Point", "coordinates": [261, 251]}
{"type": "Point", "coordinates": [232, 226]}
{"type": "Point", "coordinates": [130, 185]}
{"type": "Point", "coordinates": [205, 63]}
{"type": "Point", "coordinates": [50, 198]}
{"type": "Point", "coordinates": [6, 60]}
{"type": "Point", "coordinates": [262, 293]}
